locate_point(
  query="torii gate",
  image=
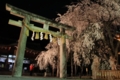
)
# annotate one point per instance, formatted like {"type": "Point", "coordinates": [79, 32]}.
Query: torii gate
{"type": "Point", "coordinates": [26, 26]}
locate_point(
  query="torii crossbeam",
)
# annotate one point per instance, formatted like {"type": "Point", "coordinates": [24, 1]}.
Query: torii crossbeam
{"type": "Point", "coordinates": [25, 26]}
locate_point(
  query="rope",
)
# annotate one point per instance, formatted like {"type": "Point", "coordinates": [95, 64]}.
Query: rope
{"type": "Point", "coordinates": [42, 30]}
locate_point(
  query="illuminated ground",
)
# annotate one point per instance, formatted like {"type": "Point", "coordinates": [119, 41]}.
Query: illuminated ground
{"type": "Point", "coordinates": [9, 77]}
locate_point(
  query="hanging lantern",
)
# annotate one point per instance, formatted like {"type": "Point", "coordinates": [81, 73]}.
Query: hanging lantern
{"type": "Point", "coordinates": [32, 38]}
{"type": "Point", "coordinates": [50, 36]}
{"type": "Point", "coordinates": [41, 36]}
{"type": "Point", "coordinates": [46, 36]}
{"type": "Point", "coordinates": [37, 35]}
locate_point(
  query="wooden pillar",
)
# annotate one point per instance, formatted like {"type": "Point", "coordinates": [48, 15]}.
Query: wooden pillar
{"type": "Point", "coordinates": [18, 66]}
{"type": "Point", "coordinates": [63, 63]}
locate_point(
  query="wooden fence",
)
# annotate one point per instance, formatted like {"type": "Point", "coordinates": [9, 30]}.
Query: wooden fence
{"type": "Point", "coordinates": [108, 75]}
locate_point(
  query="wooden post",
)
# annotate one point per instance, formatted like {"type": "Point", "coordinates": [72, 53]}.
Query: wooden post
{"type": "Point", "coordinates": [63, 63]}
{"type": "Point", "coordinates": [18, 66]}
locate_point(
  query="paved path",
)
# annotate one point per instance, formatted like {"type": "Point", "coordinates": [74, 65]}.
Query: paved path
{"type": "Point", "coordinates": [9, 77]}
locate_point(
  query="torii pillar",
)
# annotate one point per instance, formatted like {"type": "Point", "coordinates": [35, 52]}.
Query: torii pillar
{"type": "Point", "coordinates": [18, 65]}
{"type": "Point", "coordinates": [63, 62]}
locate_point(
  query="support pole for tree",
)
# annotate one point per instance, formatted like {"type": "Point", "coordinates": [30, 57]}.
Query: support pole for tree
{"type": "Point", "coordinates": [18, 66]}
{"type": "Point", "coordinates": [63, 63]}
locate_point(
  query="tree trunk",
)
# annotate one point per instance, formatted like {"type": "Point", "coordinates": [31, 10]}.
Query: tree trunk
{"type": "Point", "coordinates": [107, 25]}
{"type": "Point", "coordinates": [75, 69]}
{"type": "Point", "coordinates": [58, 69]}
{"type": "Point", "coordinates": [116, 51]}
{"type": "Point", "coordinates": [81, 71]}
{"type": "Point", "coordinates": [71, 65]}
{"type": "Point", "coordinates": [53, 70]}
{"type": "Point", "coordinates": [58, 63]}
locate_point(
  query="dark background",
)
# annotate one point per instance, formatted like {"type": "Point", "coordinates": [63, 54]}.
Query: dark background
{"type": "Point", "coordinates": [46, 8]}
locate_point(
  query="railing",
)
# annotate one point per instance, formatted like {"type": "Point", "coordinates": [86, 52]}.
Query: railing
{"type": "Point", "coordinates": [108, 75]}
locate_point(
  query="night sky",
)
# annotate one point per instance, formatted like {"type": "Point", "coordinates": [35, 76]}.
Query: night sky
{"type": "Point", "coordinates": [46, 8]}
